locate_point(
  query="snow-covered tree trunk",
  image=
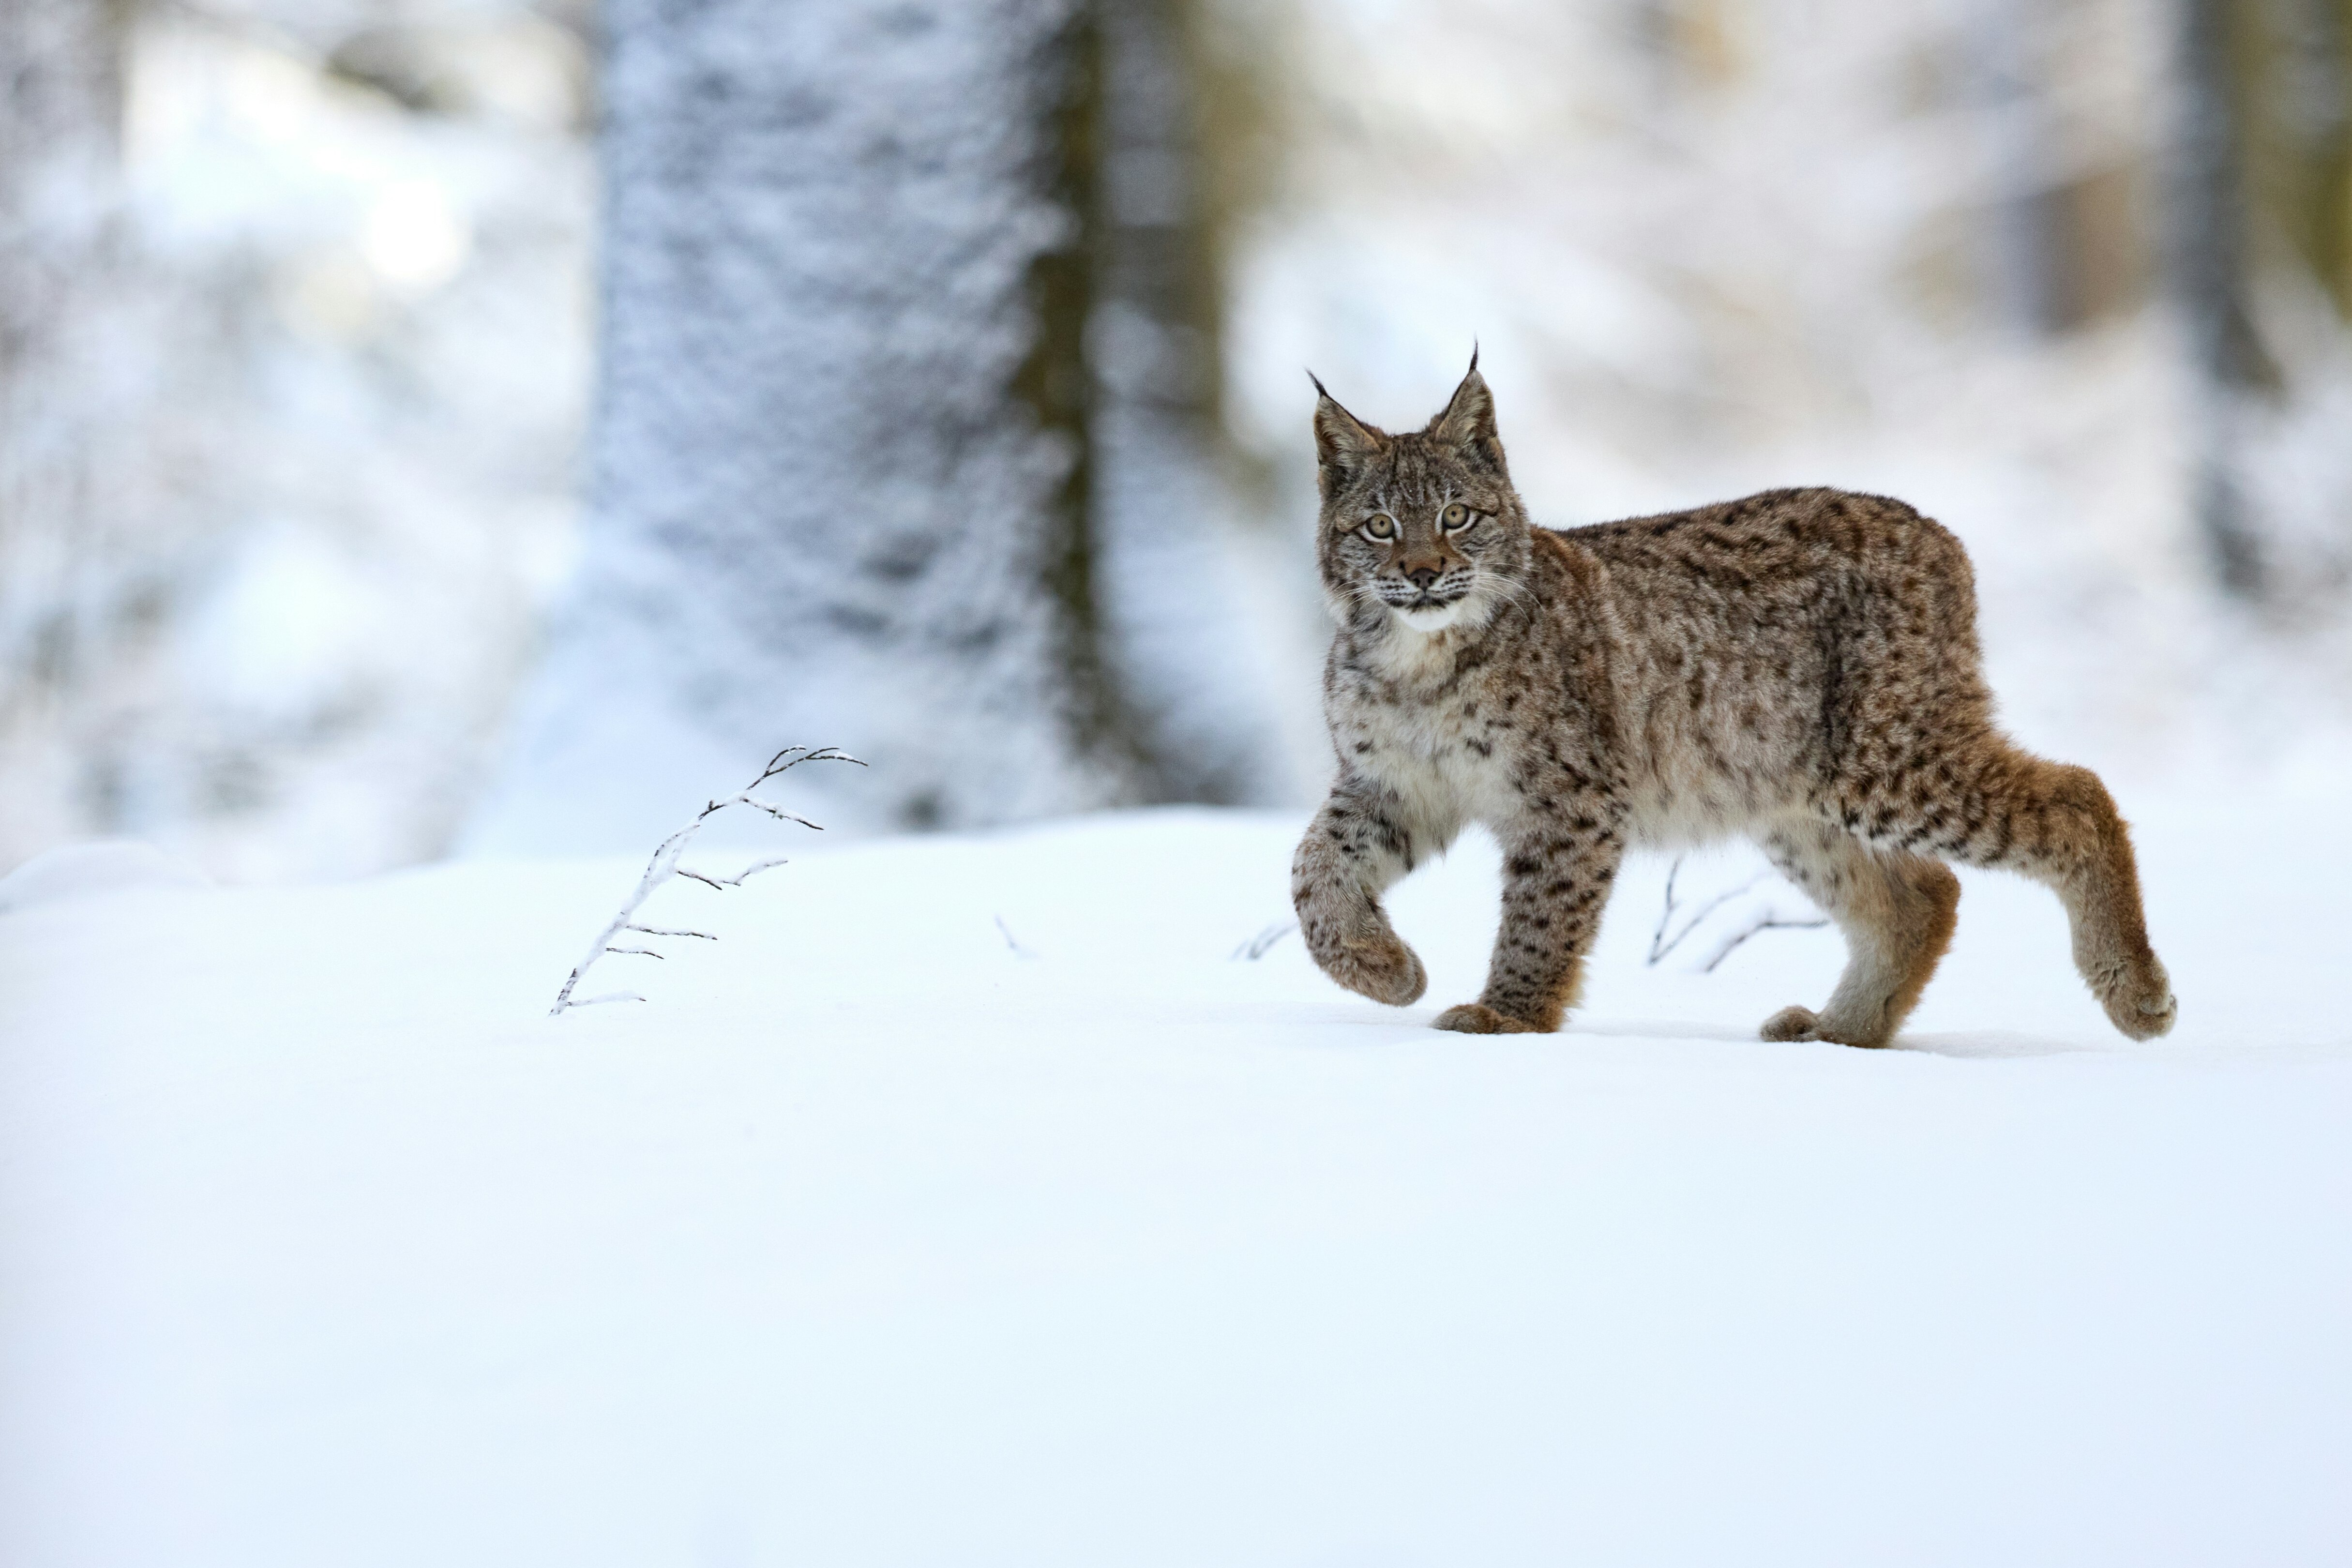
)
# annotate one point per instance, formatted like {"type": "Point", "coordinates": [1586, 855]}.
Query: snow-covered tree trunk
{"type": "Point", "coordinates": [845, 478]}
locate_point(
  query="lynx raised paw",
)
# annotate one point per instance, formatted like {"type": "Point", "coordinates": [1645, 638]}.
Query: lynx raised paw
{"type": "Point", "coordinates": [1477, 1018]}
{"type": "Point", "coordinates": [2142, 1004]}
{"type": "Point", "coordinates": [1380, 967]}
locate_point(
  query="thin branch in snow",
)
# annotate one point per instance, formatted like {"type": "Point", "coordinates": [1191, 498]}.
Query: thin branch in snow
{"type": "Point", "coordinates": [1010, 940]}
{"type": "Point", "coordinates": [777, 811]}
{"type": "Point", "coordinates": [1765, 917]}
{"type": "Point", "coordinates": [1258, 945]}
{"type": "Point", "coordinates": [751, 870]}
{"type": "Point", "coordinates": [664, 866]}
{"type": "Point", "coordinates": [1763, 920]}
{"type": "Point", "coordinates": [1661, 944]}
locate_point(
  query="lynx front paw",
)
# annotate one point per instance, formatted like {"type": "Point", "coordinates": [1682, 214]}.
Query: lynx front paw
{"type": "Point", "coordinates": [2142, 1004]}
{"type": "Point", "coordinates": [1804, 1024]}
{"type": "Point", "coordinates": [1477, 1018]}
{"type": "Point", "coordinates": [1380, 967]}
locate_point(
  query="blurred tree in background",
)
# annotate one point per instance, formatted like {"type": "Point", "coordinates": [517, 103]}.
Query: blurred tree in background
{"type": "Point", "coordinates": [949, 404]}
{"type": "Point", "coordinates": [63, 596]}
{"type": "Point", "coordinates": [903, 435]}
{"type": "Point", "coordinates": [1716, 244]}
{"type": "Point", "coordinates": [2262, 155]}
{"type": "Point", "coordinates": [297, 336]}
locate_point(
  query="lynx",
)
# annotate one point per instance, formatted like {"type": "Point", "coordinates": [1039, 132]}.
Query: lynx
{"type": "Point", "coordinates": [1800, 667]}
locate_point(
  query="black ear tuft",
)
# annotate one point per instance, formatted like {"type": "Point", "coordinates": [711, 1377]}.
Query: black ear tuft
{"type": "Point", "coordinates": [1344, 443]}
{"type": "Point", "coordinates": [1468, 423]}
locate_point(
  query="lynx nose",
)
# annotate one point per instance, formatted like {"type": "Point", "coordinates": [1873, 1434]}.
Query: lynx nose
{"type": "Point", "coordinates": [1421, 577]}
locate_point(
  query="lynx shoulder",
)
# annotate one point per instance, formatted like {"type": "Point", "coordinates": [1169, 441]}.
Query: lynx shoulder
{"type": "Point", "coordinates": [1800, 668]}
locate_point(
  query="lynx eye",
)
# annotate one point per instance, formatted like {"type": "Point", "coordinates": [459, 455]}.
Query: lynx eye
{"type": "Point", "coordinates": [1456, 516]}
{"type": "Point", "coordinates": [1382, 526]}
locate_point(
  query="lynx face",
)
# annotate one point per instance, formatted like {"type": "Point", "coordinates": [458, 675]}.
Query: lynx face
{"type": "Point", "coordinates": [1422, 527]}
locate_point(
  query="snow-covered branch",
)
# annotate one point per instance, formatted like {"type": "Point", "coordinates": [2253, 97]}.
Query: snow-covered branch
{"type": "Point", "coordinates": [665, 865]}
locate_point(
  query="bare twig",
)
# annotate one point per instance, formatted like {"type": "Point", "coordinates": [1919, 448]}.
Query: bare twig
{"type": "Point", "coordinates": [1661, 944]}
{"type": "Point", "coordinates": [776, 811]}
{"type": "Point", "coordinates": [1010, 940]}
{"type": "Point", "coordinates": [664, 866]}
{"type": "Point", "coordinates": [1258, 946]}
{"type": "Point", "coordinates": [751, 870]}
{"type": "Point", "coordinates": [1763, 920]}
{"type": "Point", "coordinates": [1760, 920]}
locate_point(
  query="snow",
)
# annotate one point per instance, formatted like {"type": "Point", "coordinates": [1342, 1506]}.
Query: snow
{"type": "Point", "coordinates": [99, 866]}
{"type": "Point", "coordinates": [969, 1202]}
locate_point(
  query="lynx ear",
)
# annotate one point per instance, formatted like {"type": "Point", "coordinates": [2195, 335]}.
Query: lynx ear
{"type": "Point", "coordinates": [1344, 444]}
{"type": "Point", "coordinates": [1468, 422]}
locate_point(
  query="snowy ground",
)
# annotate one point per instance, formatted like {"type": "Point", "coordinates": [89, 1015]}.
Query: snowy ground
{"type": "Point", "coordinates": [874, 1238]}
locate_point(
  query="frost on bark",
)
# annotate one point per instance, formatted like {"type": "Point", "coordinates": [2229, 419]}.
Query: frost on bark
{"type": "Point", "coordinates": [846, 474]}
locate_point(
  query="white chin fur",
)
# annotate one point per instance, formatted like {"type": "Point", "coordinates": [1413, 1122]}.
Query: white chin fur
{"type": "Point", "coordinates": [1434, 617]}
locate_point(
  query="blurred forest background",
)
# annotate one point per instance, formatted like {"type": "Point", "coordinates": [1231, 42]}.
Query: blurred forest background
{"type": "Point", "coordinates": [479, 425]}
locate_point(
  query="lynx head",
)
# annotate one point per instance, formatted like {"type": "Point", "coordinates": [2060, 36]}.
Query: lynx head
{"type": "Point", "coordinates": [1423, 530]}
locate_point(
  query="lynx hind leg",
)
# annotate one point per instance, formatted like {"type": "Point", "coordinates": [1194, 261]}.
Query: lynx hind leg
{"type": "Point", "coordinates": [2058, 825]}
{"type": "Point", "coordinates": [1896, 912]}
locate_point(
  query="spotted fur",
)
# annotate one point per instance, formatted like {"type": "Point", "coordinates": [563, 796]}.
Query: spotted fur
{"type": "Point", "coordinates": [1800, 668]}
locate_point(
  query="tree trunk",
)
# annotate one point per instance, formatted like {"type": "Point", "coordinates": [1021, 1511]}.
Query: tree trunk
{"type": "Point", "coordinates": [2307, 151]}
{"type": "Point", "coordinates": [1175, 641]}
{"type": "Point", "coordinates": [847, 479]}
{"type": "Point", "coordinates": [2212, 277]}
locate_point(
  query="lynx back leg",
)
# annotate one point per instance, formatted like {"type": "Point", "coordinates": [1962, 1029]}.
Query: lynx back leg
{"type": "Point", "coordinates": [2058, 825]}
{"type": "Point", "coordinates": [1896, 912]}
